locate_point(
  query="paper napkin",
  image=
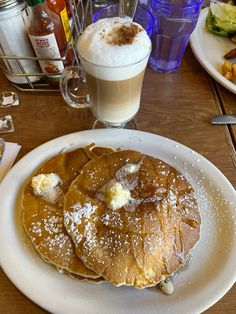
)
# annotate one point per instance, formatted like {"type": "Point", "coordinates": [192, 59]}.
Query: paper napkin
{"type": "Point", "coordinates": [9, 156]}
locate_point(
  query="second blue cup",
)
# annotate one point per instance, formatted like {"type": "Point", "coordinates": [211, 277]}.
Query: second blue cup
{"type": "Point", "coordinates": [142, 16]}
{"type": "Point", "coordinates": [175, 21]}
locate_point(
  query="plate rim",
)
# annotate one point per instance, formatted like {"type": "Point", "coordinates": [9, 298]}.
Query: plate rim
{"type": "Point", "coordinates": [78, 144]}
{"type": "Point", "coordinates": [200, 56]}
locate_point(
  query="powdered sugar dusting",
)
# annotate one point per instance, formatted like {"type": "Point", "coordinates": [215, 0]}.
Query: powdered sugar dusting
{"type": "Point", "coordinates": [36, 228]}
{"type": "Point", "coordinates": [214, 207]}
{"type": "Point", "coordinates": [59, 246]}
{"type": "Point", "coordinates": [51, 225]}
{"type": "Point", "coordinates": [54, 243]}
{"type": "Point", "coordinates": [126, 175]}
{"type": "Point", "coordinates": [74, 218]}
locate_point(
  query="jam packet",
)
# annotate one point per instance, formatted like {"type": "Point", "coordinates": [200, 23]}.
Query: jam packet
{"type": "Point", "coordinates": [6, 124]}
{"type": "Point", "coordinates": [8, 99]}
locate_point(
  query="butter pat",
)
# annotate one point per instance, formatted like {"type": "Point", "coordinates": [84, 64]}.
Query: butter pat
{"type": "Point", "coordinates": [130, 168]}
{"type": "Point", "coordinates": [166, 287]}
{"type": "Point", "coordinates": [116, 196]}
{"type": "Point", "coordinates": [43, 183]}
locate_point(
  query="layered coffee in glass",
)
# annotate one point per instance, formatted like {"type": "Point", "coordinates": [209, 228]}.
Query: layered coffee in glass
{"type": "Point", "coordinates": [114, 53]}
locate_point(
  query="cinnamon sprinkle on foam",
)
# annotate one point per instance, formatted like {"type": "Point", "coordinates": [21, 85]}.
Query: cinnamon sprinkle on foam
{"type": "Point", "coordinates": [123, 35]}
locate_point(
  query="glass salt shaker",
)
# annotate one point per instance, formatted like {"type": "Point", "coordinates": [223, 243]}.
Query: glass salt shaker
{"type": "Point", "coordinates": [14, 42]}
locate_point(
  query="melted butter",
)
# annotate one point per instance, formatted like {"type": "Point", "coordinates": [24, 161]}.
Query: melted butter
{"type": "Point", "coordinates": [115, 195]}
{"type": "Point", "coordinates": [166, 287]}
{"type": "Point", "coordinates": [46, 186]}
{"type": "Point", "coordinates": [44, 182]}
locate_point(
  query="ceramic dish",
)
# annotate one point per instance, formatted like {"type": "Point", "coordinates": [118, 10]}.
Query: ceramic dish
{"type": "Point", "coordinates": [209, 49]}
{"type": "Point", "coordinates": [209, 274]}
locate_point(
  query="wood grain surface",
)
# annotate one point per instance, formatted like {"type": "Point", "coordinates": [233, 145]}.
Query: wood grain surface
{"type": "Point", "coordinates": [177, 105]}
{"type": "Point", "coordinates": [228, 103]}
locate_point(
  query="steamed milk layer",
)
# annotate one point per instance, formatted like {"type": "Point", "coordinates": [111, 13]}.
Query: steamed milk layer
{"type": "Point", "coordinates": [114, 54]}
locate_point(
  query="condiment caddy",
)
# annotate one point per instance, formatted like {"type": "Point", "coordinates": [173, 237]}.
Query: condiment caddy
{"type": "Point", "coordinates": [44, 41]}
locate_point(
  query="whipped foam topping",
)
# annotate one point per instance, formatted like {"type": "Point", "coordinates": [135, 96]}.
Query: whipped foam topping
{"type": "Point", "coordinates": [114, 42]}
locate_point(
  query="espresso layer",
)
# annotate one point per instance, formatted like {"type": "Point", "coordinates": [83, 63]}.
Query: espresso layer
{"type": "Point", "coordinates": [115, 101]}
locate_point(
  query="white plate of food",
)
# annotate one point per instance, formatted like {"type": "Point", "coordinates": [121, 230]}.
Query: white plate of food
{"type": "Point", "coordinates": [208, 275]}
{"type": "Point", "coordinates": [209, 49]}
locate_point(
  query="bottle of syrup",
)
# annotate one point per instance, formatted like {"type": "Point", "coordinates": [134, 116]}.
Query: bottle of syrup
{"type": "Point", "coordinates": [47, 36]}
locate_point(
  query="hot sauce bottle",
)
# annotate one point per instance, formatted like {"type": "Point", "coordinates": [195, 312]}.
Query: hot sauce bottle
{"type": "Point", "coordinates": [59, 8]}
{"type": "Point", "coordinates": [67, 2]}
{"type": "Point", "coordinates": [47, 36]}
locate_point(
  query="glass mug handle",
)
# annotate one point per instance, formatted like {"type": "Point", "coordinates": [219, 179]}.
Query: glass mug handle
{"type": "Point", "coordinates": [77, 96]}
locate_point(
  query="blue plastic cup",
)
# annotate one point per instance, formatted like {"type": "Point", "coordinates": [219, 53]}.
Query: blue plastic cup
{"type": "Point", "coordinates": [175, 21]}
{"type": "Point", "coordinates": [143, 16]}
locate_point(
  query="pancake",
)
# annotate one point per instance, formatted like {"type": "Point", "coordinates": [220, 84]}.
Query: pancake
{"type": "Point", "coordinates": [87, 279]}
{"type": "Point", "coordinates": [43, 218]}
{"type": "Point", "coordinates": [133, 218]}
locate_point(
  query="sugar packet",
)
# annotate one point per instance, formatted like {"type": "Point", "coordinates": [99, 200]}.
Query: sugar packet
{"type": "Point", "coordinates": [8, 99]}
{"type": "Point", "coordinates": [6, 124]}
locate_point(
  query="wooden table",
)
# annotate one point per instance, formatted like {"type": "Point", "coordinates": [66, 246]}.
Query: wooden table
{"type": "Point", "coordinates": [228, 102]}
{"type": "Point", "coordinates": [178, 106]}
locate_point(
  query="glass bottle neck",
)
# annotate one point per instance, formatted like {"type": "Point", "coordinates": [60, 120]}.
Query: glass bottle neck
{"type": "Point", "coordinates": [41, 21]}
{"type": "Point", "coordinates": [32, 3]}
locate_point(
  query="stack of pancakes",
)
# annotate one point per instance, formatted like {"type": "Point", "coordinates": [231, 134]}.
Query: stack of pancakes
{"type": "Point", "coordinates": [139, 243]}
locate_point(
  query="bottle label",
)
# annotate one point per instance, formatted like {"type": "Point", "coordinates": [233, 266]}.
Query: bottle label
{"type": "Point", "coordinates": [46, 47]}
{"type": "Point", "coordinates": [65, 23]}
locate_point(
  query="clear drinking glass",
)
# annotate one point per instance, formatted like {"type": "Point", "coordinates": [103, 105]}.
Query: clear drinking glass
{"type": "Point", "coordinates": [142, 16]}
{"type": "Point", "coordinates": [175, 20]}
{"type": "Point", "coordinates": [99, 3]}
{"type": "Point", "coordinates": [113, 91]}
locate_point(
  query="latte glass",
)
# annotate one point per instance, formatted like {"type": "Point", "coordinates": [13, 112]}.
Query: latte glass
{"type": "Point", "coordinates": [113, 91]}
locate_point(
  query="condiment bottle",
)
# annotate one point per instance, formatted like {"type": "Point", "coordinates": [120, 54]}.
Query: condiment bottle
{"type": "Point", "coordinates": [59, 8]}
{"type": "Point", "coordinates": [47, 36]}
{"type": "Point", "coordinates": [67, 2]}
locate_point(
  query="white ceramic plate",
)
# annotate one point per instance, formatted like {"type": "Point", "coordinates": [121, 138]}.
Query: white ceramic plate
{"type": "Point", "coordinates": [209, 275]}
{"type": "Point", "coordinates": [210, 49]}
